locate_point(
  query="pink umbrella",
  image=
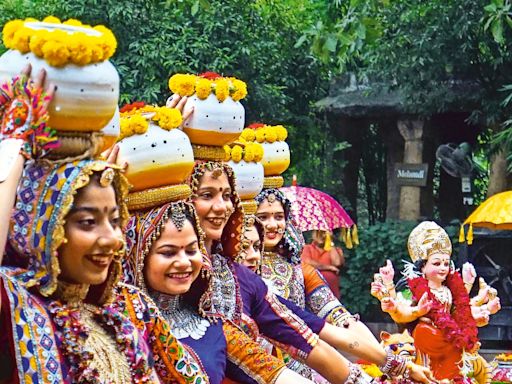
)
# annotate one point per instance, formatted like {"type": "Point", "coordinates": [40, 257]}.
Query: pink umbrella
{"type": "Point", "coordinates": [314, 209]}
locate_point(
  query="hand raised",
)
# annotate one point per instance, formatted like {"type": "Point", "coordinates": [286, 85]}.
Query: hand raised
{"type": "Point", "coordinates": [387, 272]}
{"type": "Point", "coordinates": [468, 273]}
{"type": "Point", "coordinates": [424, 305]}
{"type": "Point", "coordinates": [178, 102]}
{"type": "Point", "coordinates": [23, 105]}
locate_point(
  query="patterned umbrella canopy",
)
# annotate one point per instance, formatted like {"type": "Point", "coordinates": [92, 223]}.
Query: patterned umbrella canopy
{"type": "Point", "coordinates": [494, 213]}
{"type": "Point", "coordinates": [314, 209]}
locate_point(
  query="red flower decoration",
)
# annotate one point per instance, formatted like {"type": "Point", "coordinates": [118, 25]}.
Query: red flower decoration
{"type": "Point", "coordinates": [458, 325]}
{"type": "Point", "coordinates": [210, 75]}
{"type": "Point", "coordinates": [256, 125]}
{"type": "Point", "coordinates": [132, 106]}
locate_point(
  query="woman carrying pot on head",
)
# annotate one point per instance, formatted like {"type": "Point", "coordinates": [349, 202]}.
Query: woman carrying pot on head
{"type": "Point", "coordinates": [242, 296]}
{"type": "Point", "coordinates": [167, 259]}
{"type": "Point", "coordinates": [64, 318]}
{"type": "Point", "coordinates": [287, 277]}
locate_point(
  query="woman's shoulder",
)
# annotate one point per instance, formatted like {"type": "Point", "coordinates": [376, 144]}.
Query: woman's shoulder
{"type": "Point", "coordinates": [132, 299]}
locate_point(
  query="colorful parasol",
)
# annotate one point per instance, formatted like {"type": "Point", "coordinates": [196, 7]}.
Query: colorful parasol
{"type": "Point", "coordinates": [494, 213]}
{"type": "Point", "coordinates": [313, 209]}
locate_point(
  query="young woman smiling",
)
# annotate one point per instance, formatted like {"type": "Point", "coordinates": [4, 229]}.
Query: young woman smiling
{"type": "Point", "coordinates": [167, 251]}
{"type": "Point", "coordinates": [64, 317]}
{"type": "Point", "coordinates": [242, 296]}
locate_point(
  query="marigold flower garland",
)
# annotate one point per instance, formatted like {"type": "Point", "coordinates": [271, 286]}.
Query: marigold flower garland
{"type": "Point", "coordinates": [133, 121]}
{"type": "Point", "coordinates": [60, 47]}
{"type": "Point", "coordinates": [458, 326]}
{"type": "Point", "coordinates": [207, 83]}
{"type": "Point", "coordinates": [264, 133]}
{"type": "Point", "coordinates": [249, 152]}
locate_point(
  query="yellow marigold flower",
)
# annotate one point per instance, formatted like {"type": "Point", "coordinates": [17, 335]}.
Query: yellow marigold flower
{"type": "Point", "coordinates": [239, 89]}
{"type": "Point", "coordinates": [227, 151]}
{"type": "Point", "coordinates": [281, 132]}
{"type": "Point", "coordinates": [9, 30]}
{"type": "Point", "coordinates": [249, 153]}
{"type": "Point", "coordinates": [270, 134]}
{"type": "Point", "coordinates": [55, 53]}
{"type": "Point", "coordinates": [107, 41]}
{"type": "Point", "coordinates": [183, 85]}
{"type": "Point", "coordinates": [51, 19]}
{"type": "Point", "coordinates": [168, 118]}
{"type": "Point", "coordinates": [203, 88]}
{"type": "Point", "coordinates": [80, 52]}
{"type": "Point", "coordinates": [73, 22]}
{"type": "Point", "coordinates": [96, 54]}
{"type": "Point", "coordinates": [372, 370]}
{"type": "Point", "coordinates": [37, 41]}
{"type": "Point", "coordinates": [30, 19]}
{"type": "Point", "coordinates": [125, 129]}
{"type": "Point", "coordinates": [258, 152]}
{"type": "Point", "coordinates": [138, 124]}
{"type": "Point", "coordinates": [221, 89]}
{"type": "Point", "coordinates": [21, 40]}
{"type": "Point", "coordinates": [236, 153]}
{"type": "Point", "coordinates": [260, 135]}
{"type": "Point", "coordinates": [248, 134]}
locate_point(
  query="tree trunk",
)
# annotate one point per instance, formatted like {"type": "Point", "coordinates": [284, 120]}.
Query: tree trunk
{"type": "Point", "coordinates": [500, 179]}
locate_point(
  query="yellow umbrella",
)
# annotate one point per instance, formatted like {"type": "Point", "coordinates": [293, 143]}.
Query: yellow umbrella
{"type": "Point", "coordinates": [494, 213]}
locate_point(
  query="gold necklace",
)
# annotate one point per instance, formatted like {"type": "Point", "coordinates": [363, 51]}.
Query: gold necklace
{"type": "Point", "coordinates": [110, 363]}
{"type": "Point", "coordinates": [443, 294]}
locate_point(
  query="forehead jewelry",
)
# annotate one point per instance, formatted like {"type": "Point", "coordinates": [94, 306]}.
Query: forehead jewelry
{"type": "Point", "coordinates": [271, 198]}
{"type": "Point", "coordinates": [178, 217]}
{"type": "Point", "coordinates": [216, 173]}
{"type": "Point", "coordinates": [107, 176]}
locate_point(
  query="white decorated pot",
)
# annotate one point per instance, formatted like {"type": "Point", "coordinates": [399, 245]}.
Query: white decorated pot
{"type": "Point", "coordinates": [156, 158]}
{"type": "Point", "coordinates": [86, 96]}
{"type": "Point", "coordinates": [111, 131]}
{"type": "Point", "coordinates": [249, 178]}
{"type": "Point", "coordinates": [276, 157]}
{"type": "Point", "coordinates": [214, 123]}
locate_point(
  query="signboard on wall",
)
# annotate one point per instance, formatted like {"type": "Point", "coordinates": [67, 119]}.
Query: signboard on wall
{"type": "Point", "coordinates": [414, 175]}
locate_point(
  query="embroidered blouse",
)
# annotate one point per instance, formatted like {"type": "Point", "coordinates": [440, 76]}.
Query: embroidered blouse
{"type": "Point", "coordinates": [303, 285]}
{"type": "Point", "coordinates": [223, 349]}
{"type": "Point", "coordinates": [242, 296]}
{"type": "Point", "coordinates": [33, 343]}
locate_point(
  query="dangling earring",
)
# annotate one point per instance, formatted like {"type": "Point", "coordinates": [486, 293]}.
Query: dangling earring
{"type": "Point", "coordinates": [119, 254]}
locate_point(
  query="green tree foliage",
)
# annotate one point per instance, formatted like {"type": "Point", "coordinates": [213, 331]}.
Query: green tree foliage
{"type": "Point", "coordinates": [252, 40]}
{"type": "Point", "coordinates": [425, 48]}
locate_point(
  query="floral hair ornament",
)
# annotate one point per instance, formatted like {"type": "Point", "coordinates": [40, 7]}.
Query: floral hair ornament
{"type": "Point", "coordinates": [426, 239]}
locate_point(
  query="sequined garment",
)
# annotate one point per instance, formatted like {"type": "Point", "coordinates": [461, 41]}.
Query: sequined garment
{"type": "Point", "coordinates": [38, 342]}
{"type": "Point", "coordinates": [259, 311]}
{"type": "Point", "coordinates": [221, 348]}
{"type": "Point", "coordinates": [48, 335]}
